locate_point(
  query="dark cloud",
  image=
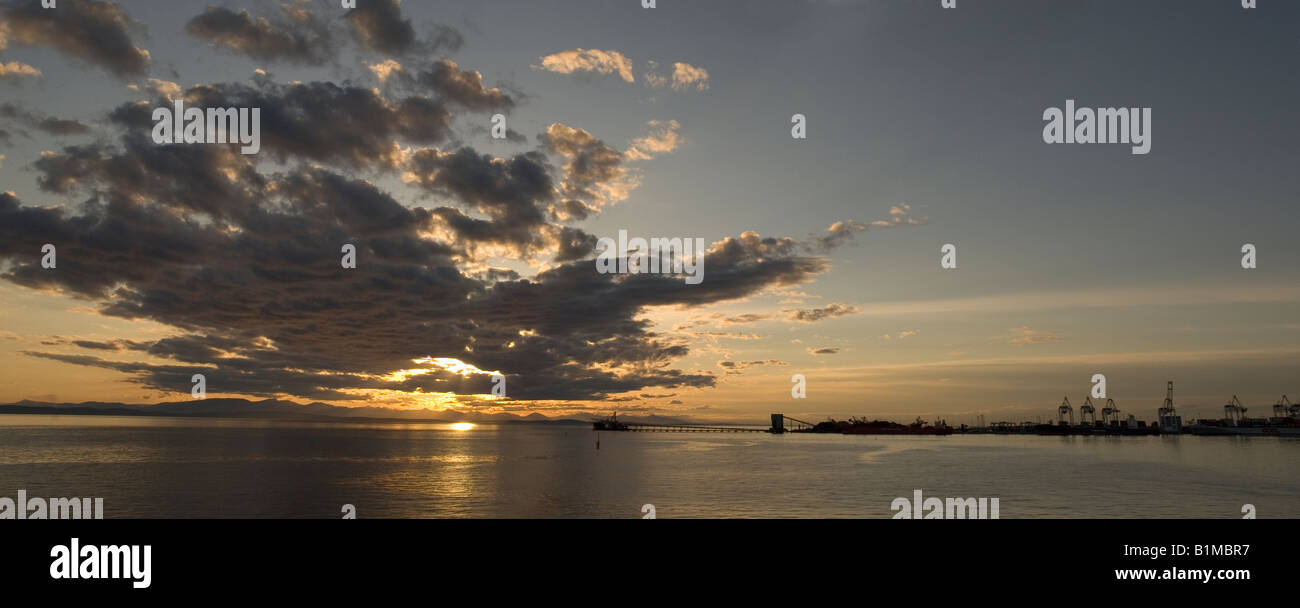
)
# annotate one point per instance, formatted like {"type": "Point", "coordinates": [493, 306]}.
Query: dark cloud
{"type": "Point", "coordinates": [216, 181]}
{"type": "Point", "coordinates": [499, 187]}
{"type": "Point", "coordinates": [594, 171]}
{"type": "Point", "coordinates": [116, 345]}
{"type": "Point", "coordinates": [295, 37]}
{"type": "Point", "coordinates": [735, 367]}
{"type": "Point", "coordinates": [463, 87]}
{"type": "Point", "coordinates": [89, 30]}
{"type": "Point", "coordinates": [379, 26]}
{"type": "Point", "coordinates": [327, 122]}
{"type": "Point", "coordinates": [61, 126]}
{"type": "Point", "coordinates": [48, 124]}
{"type": "Point", "coordinates": [443, 38]}
{"type": "Point", "coordinates": [750, 317]}
{"type": "Point", "coordinates": [745, 364]}
{"type": "Point", "coordinates": [240, 256]}
{"type": "Point", "coordinates": [571, 210]}
{"type": "Point", "coordinates": [269, 310]}
{"type": "Point", "coordinates": [351, 126]}
{"type": "Point", "coordinates": [513, 193]}
{"type": "Point", "coordinates": [817, 314]}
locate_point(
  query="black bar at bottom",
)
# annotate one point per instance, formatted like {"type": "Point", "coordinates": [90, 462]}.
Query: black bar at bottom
{"type": "Point", "coordinates": [764, 558]}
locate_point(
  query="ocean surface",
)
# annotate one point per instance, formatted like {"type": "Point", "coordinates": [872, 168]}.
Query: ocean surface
{"type": "Point", "coordinates": [224, 468]}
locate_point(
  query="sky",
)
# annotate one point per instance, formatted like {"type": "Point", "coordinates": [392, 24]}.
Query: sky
{"type": "Point", "coordinates": [924, 127]}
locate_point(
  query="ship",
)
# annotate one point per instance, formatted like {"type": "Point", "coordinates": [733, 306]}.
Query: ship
{"type": "Point", "coordinates": [1260, 427]}
{"type": "Point", "coordinates": [609, 423]}
{"type": "Point", "coordinates": [1285, 421]}
{"type": "Point", "coordinates": [885, 427]}
{"type": "Point", "coordinates": [1132, 427]}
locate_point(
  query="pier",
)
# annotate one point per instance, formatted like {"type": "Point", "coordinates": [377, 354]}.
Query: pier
{"type": "Point", "coordinates": [778, 426]}
{"type": "Point", "coordinates": [688, 428]}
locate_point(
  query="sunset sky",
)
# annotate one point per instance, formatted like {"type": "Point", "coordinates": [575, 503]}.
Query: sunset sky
{"type": "Point", "coordinates": [476, 255]}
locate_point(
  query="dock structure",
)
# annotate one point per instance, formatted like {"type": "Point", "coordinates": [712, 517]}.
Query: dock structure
{"type": "Point", "coordinates": [778, 426]}
{"type": "Point", "coordinates": [688, 428]}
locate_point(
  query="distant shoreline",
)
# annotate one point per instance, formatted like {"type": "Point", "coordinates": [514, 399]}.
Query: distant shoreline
{"type": "Point", "coordinates": [94, 411]}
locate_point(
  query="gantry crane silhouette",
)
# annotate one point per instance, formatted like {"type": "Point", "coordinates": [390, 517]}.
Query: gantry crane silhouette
{"type": "Point", "coordinates": [1087, 413]}
{"type": "Point", "coordinates": [1108, 412]}
{"type": "Point", "coordinates": [1066, 410]}
{"type": "Point", "coordinates": [1234, 412]}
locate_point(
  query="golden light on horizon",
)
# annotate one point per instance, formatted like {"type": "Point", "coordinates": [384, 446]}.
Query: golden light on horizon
{"type": "Point", "coordinates": [462, 426]}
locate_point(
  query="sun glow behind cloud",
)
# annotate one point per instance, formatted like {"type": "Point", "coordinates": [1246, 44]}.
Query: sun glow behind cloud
{"type": "Point", "coordinates": [437, 400]}
{"type": "Point", "coordinates": [448, 364]}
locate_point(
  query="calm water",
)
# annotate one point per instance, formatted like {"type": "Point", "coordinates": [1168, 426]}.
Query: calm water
{"type": "Point", "coordinates": [168, 467]}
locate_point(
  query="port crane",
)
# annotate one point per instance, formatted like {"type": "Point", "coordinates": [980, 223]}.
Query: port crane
{"type": "Point", "coordinates": [1167, 409]}
{"type": "Point", "coordinates": [1087, 413]}
{"type": "Point", "coordinates": [1170, 421]}
{"type": "Point", "coordinates": [1284, 408]}
{"type": "Point", "coordinates": [1065, 410]}
{"type": "Point", "coordinates": [1108, 412]}
{"type": "Point", "coordinates": [1234, 412]}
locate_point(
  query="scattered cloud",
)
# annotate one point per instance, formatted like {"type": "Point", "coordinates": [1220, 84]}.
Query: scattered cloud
{"type": "Point", "coordinates": [662, 139]}
{"type": "Point", "coordinates": [684, 77]}
{"type": "Point", "coordinates": [385, 69]}
{"type": "Point", "coordinates": [721, 320]}
{"type": "Point", "coordinates": [817, 314]}
{"type": "Point", "coordinates": [735, 367]}
{"type": "Point", "coordinates": [902, 335]}
{"type": "Point", "coordinates": [1025, 336]}
{"type": "Point", "coordinates": [594, 172]}
{"type": "Point", "coordinates": [652, 78]}
{"type": "Point", "coordinates": [16, 70]}
{"type": "Point", "coordinates": [589, 60]}
{"type": "Point", "coordinates": [161, 88]}
{"type": "Point", "coordinates": [843, 232]}
{"type": "Point", "coordinates": [900, 215]}
{"type": "Point", "coordinates": [687, 76]}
